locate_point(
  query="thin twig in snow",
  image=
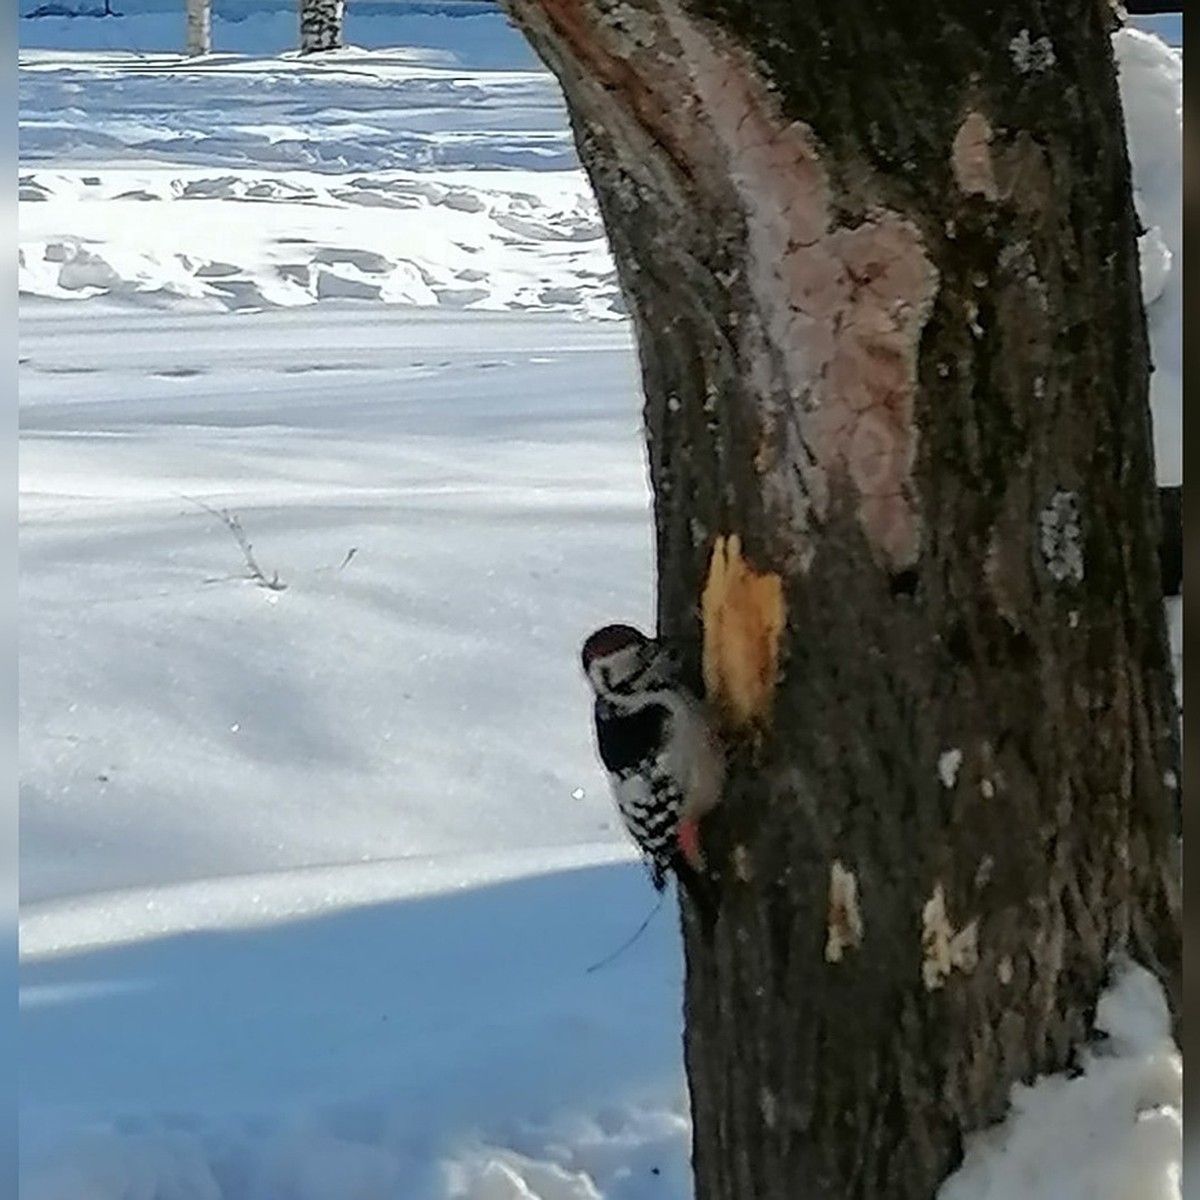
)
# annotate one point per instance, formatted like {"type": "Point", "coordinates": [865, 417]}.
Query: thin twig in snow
{"type": "Point", "coordinates": [231, 522]}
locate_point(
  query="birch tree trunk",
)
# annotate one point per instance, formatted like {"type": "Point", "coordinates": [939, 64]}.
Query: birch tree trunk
{"type": "Point", "coordinates": [880, 261]}
{"type": "Point", "coordinates": [320, 25]}
{"type": "Point", "coordinates": [199, 27]}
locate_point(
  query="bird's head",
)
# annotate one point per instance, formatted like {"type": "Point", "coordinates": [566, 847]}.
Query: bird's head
{"type": "Point", "coordinates": [616, 658]}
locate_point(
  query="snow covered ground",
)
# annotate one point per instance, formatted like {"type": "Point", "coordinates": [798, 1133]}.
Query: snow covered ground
{"type": "Point", "coordinates": [313, 873]}
{"type": "Point", "coordinates": [246, 182]}
{"type": "Point", "coordinates": [450, 505]}
{"type": "Point", "coordinates": [206, 760]}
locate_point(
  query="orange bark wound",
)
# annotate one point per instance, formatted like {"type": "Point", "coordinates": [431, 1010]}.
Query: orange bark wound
{"type": "Point", "coordinates": [743, 615]}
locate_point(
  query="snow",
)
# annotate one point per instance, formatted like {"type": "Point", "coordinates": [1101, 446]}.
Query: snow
{"type": "Point", "coordinates": [1114, 1132]}
{"type": "Point", "coordinates": [313, 876]}
{"type": "Point", "coordinates": [491, 483]}
{"type": "Point", "coordinates": [237, 183]}
{"type": "Point", "coordinates": [949, 762]}
{"type": "Point", "coordinates": [1151, 78]}
{"type": "Point", "coordinates": [372, 1052]}
{"type": "Point", "coordinates": [306, 884]}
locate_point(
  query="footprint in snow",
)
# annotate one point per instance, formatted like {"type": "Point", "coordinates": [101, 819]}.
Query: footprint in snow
{"type": "Point", "coordinates": [238, 295]}
{"type": "Point", "coordinates": [297, 273]}
{"type": "Point", "coordinates": [367, 261]}
{"type": "Point", "coordinates": [460, 297]}
{"type": "Point", "coordinates": [223, 187]}
{"type": "Point", "coordinates": [463, 201]}
{"type": "Point", "coordinates": [217, 270]}
{"type": "Point", "coordinates": [559, 295]}
{"type": "Point", "coordinates": [375, 199]}
{"type": "Point", "coordinates": [308, 368]}
{"type": "Point", "coordinates": [178, 372]}
{"type": "Point", "coordinates": [332, 286]}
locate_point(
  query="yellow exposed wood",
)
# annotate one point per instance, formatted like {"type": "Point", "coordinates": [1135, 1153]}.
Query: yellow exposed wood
{"type": "Point", "coordinates": [743, 614]}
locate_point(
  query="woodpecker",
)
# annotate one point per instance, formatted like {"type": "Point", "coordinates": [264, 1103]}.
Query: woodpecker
{"type": "Point", "coordinates": [664, 760]}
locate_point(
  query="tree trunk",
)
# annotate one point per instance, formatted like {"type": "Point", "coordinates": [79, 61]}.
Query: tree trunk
{"type": "Point", "coordinates": [199, 27]}
{"type": "Point", "coordinates": [320, 25]}
{"type": "Point", "coordinates": [881, 265]}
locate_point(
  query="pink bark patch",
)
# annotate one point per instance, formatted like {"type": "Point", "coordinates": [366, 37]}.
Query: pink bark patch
{"type": "Point", "coordinates": [843, 307]}
{"type": "Point", "coordinates": [829, 349]}
{"type": "Point", "coordinates": [971, 157]}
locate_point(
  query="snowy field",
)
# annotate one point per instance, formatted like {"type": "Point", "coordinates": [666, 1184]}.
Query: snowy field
{"type": "Point", "coordinates": [404, 175]}
{"type": "Point", "coordinates": [315, 864]}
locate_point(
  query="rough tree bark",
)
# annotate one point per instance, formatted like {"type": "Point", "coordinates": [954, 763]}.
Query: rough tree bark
{"type": "Point", "coordinates": [321, 25]}
{"type": "Point", "coordinates": [199, 26]}
{"type": "Point", "coordinates": [880, 260]}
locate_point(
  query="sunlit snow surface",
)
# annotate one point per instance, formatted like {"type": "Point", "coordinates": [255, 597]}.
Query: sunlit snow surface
{"type": "Point", "coordinates": [450, 505]}
{"type": "Point", "coordinates": [238, 183]}
{"type": "Point", "coordinates": [313, 874]}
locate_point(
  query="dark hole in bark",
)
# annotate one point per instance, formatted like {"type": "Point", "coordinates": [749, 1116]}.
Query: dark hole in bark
{"type": "Point", "coordinates": [958, 643]}
{"type": "Point", "coordinates": [1020, 651]}
{"type": "Point", "coordinates": [1170, 553]}
{"type": "Point", "coordinates": [1076, 338]}
{"type": "Point", "coordinates": [904, 583]}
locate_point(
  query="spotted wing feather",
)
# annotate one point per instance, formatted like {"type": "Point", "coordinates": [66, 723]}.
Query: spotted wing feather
{"type": "Point", "coordinates": [647, 794]}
